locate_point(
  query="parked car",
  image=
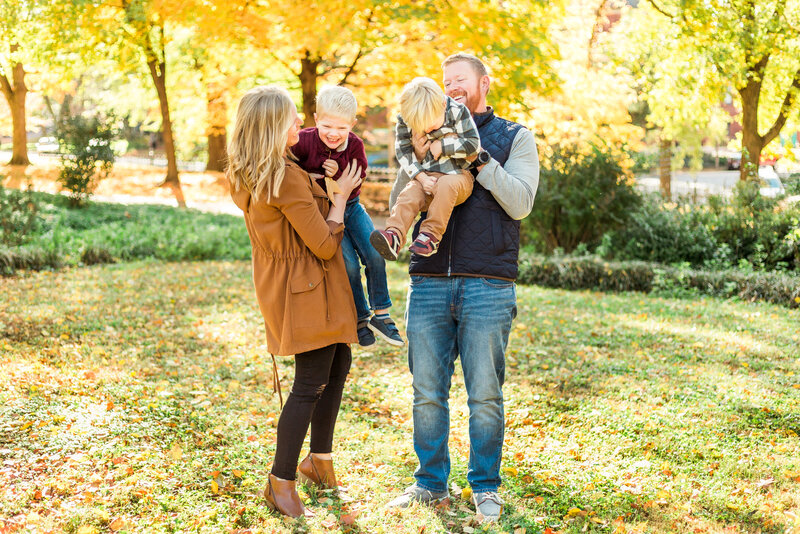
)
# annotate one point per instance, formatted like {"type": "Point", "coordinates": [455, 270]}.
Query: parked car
{"type": "Point", "coordinates": [47, 145]}
{"type": "Point", "coordinates": [771, 185]}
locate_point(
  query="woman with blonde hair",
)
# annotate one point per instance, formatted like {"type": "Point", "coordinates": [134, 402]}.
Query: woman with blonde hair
{"type": "Point", "coordinates": [300, 281]}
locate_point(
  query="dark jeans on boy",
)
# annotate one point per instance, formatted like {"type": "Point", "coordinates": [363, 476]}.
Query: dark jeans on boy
{"type": "Point", "coordinates": [357, 250]}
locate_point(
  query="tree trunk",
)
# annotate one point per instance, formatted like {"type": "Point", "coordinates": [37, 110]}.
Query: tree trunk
{"type": "Point", "coordinates": [217, 110]}
{"type": "Point", "coordinates": [16, 93]}
{"type": "Point", "coordinates": [665, 168]}
{"type": "Point", "coordinates": [308, 82]}
{"type": "Point", "coordinates": [159, 75]}
{"type": "Point", "coordinates": [752, 142]}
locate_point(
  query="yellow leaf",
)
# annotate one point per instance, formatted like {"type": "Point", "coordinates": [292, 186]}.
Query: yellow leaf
{"type": "Point", "coordinates": [510, 471]}
{"type": "Point", "coordinates": [731, 506]}
{"type": "Point", "coordinates": [238, 473]}
{"type": "Point", "coordinates": [119, 524]}
{"type": "Point", "coordinates": [87, 529]}
{"type": "Point", "coordinates": [175, 452]}
{"type": "Point", "coordinates": [214, 486]}
{"type": "Point", "coordinates": [466, 493]}
{"type": "Point", "coordinates": [575, 512]}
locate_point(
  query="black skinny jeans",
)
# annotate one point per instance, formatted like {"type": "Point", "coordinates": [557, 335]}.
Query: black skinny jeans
{"type": "Point", "coordinates": [314, 399]}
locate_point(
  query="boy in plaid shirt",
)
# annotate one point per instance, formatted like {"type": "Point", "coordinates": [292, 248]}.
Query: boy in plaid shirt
{"type": "Point", "coordinates": [441, 180]}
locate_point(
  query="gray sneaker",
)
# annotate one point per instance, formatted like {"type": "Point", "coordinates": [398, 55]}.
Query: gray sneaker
{"type": "Point", "coordinates": [488, 504]}
{"type": "Point", "coordinates": [415, 493]}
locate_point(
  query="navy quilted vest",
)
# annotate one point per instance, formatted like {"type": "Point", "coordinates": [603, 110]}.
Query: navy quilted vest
{"type": "Point", "coordinates": [481, 239]}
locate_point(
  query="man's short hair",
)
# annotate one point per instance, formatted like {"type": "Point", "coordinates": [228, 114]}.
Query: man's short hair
{"type": "Point", "coordinates": [476, 64]}
{"type": "Point", "coordinates": [421, 103]}
{"type": "Point", "coordinates": [337, 100]}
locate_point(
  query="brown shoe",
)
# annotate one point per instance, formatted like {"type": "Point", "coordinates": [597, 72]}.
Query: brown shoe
{"type": "Point", "coordinates": [282, 496]}
{"type": "Point", "coordinates": [316, 471]}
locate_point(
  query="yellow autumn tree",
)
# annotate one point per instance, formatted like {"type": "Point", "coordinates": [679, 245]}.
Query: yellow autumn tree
{"type": "Point", "coordinates": [376, 46]}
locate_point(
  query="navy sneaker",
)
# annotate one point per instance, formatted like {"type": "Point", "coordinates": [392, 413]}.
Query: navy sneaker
{"type": "Point", "coordinates": [386, 329]}
{"type": "Point", "coordinates": [365, 335]}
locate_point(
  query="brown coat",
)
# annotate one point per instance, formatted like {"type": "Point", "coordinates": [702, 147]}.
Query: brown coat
{"type": "Point", "coordinates": [298, 270]}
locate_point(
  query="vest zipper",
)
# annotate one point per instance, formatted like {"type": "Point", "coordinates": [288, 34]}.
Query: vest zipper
{"type": "Point", "coordinates": [450, 248]}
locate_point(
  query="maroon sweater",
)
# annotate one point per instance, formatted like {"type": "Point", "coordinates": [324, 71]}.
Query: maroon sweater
{"type": "Point", "coordinates": [311, 153]}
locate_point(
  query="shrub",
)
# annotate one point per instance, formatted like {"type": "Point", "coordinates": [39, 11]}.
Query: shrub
{"type": "Point", "coordinates": [581, 196]}
{"type": "Point", "coordinates": [594, 273]}
{"type": "Point", "coordinates": [749, 230]}
{"type": "Point", "coordinates": [792, 184]}
{"type": "Point", "coordinates": [19, 215]}
{"type": "Point", "coordinates": [86, 155]}
{"type": "Point", "coordinates": [663, 233]}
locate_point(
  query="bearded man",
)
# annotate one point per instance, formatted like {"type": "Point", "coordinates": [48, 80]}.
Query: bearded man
{"type": "Point", "coordinates": [462, 300]}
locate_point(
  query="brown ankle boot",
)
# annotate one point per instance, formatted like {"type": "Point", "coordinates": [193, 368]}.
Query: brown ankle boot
{"type": "Point", "coordinates": [316, 471]}
{"type": "Point", "coordinates": [282, 496]}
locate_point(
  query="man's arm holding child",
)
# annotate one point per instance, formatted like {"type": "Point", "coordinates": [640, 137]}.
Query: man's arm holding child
{"type": "Point", "coordinates": [514, 184]}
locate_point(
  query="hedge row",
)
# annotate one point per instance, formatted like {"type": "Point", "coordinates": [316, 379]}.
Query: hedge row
{"type": "Point", "coordinates": [593, 273]}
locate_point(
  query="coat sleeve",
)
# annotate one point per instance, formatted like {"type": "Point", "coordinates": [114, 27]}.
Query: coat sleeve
{"type": "Point", "coordinates": [299, 207]}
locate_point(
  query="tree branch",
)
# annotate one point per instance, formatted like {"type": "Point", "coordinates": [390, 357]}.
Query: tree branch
{"type": "Point", "coordinates": [352, 66]}
{"type": "Point", "coordinates": [8, 91]}
{"type": "Point", "coordinates": [659, 9]}
{"type": "Point", "coordinates": [786, 106]}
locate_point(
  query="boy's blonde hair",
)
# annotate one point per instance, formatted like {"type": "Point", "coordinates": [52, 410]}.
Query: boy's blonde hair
{"type": "Point", "coordinates": [421, 103]}
{"type": "Point", "coordinates": [258, 142]}
{"type": "Point", "coordinates": [337, 100]}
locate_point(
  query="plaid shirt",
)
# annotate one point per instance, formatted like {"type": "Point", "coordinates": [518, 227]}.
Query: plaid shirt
{"type": "Point", "coordinates": [455, 149]}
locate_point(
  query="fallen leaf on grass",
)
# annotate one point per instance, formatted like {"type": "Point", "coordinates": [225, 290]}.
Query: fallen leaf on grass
{"type": "Point", "coordinates": [176, 452]}
{"type": "Point", "coordinates": [329, 522]}
{"type": "Point", "coordinates": [119, 523]}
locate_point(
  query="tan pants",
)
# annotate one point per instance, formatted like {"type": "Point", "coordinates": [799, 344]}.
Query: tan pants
{"type": "Point", "coordinates": [451, 190]}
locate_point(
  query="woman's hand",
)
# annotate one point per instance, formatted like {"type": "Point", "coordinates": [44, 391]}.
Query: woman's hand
{"type": "Point", "coordinates": [350, 178]}
{"type": "Point", "coordinates": [347, 182]}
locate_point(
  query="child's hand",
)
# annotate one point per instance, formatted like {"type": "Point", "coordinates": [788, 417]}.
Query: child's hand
{"type": "Point", "coordinates": [428, 182]}
{"type": "Point", "coordinates": [436, 149]}
{"type": "Point", "coordinates": [330, 167]}
{"type": "Point", "coordinates": [421, 145]}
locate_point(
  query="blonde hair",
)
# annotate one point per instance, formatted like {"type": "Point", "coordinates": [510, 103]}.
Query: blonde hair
{"type": "Point", "coordinates": [338, 101]}
{"type": "Point", "coordinates": [421, 103]}
{"type": "Point", "coordinates": [476, 64]}
{"type": "Point", "coordinates": [258, 142]}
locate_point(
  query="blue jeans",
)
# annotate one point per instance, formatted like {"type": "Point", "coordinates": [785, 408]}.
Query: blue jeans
{"type": "Point", "coordinates": [357, 250]}
{"type": "Point", "coordinates": [448, 317]}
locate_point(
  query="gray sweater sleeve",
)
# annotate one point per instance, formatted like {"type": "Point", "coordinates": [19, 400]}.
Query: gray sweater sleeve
{"type": "Point", "coordinates": [513, 185]}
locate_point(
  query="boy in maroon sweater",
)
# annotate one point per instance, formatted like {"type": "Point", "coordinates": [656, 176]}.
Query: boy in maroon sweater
{"type": "Point", "coordinates": [324, 151]}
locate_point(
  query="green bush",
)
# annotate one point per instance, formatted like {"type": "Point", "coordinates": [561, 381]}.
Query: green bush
{"type": "Point", "coordinates": [748, 231]}
{"type": "Point", "coordinates": [792, 184]}
{"type": "Point", "coordinates": [19, 215]}
{"type": "Point", "coordinates": [663, 234]}
{"type": "Point", "coordinates": [86, 154]}
{"type": "Point", "coordinates": [580, 197]}
{"type": "Point", "coordinates": [590, 272]}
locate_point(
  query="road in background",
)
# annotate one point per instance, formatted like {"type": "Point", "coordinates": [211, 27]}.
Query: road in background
{"type": "Point", "coordinates": [697, 184]}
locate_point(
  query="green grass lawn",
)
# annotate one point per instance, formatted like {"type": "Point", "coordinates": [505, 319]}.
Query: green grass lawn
{"type": "Point", "coordinates": [138, 397]}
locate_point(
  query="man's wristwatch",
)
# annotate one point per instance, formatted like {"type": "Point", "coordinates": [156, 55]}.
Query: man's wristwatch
{"type": "Point", "coordinates": [482, 159]}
